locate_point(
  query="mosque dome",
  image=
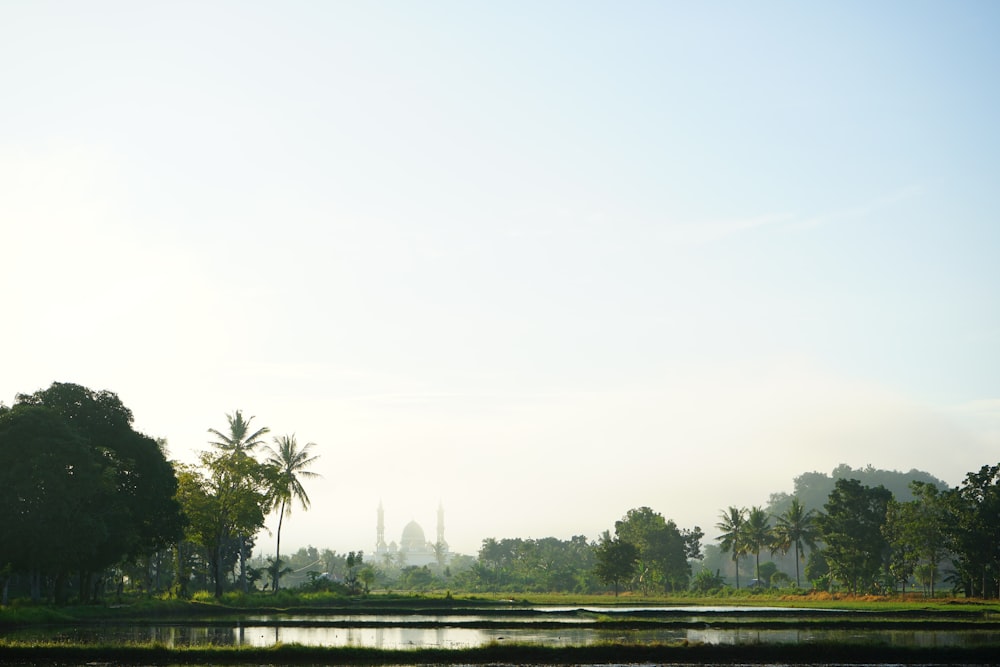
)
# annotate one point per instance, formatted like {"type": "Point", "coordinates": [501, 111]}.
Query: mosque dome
{"type": "Point", "coordinates": [413, 537]}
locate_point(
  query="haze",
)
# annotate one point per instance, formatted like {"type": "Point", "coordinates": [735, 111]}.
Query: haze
{"type": "Point", "coordinates": [538, 262]}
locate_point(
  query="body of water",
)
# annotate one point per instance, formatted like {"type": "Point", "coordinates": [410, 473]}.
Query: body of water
{"type": "Point", "coordinates": [457, 637]}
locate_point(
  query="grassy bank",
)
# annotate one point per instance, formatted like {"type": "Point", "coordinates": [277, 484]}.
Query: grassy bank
{"type": "Point", "coordinates": [498, 654]}
{"type": "Point", "coordinates": [234, 606]}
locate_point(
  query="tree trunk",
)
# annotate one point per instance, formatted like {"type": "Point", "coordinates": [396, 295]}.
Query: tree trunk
{"type": "Point", "coordinates": [244, 582]}
{"type": "Point", "coordinates": [217, 570]}
{"type": "Point", "coordinates": [59, 589]}
{"type": "Point", "coordinates": [277, 549]}
{"type": "Point", "coordinates": [797, 565]}
{"type": "Point", "coordinates": [35, 585]}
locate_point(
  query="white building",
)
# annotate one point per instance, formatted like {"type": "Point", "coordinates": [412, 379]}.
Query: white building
{"type": "Point", "coordinates": [413, 547]}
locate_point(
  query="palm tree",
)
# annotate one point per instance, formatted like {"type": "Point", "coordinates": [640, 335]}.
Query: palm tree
{"type": "Point", "coordinates": [796, 528]}
{"type": "Point", "coordinates": [289, 464]}
{"type": "Point", "coordinates": [239, 443]}
{"type": "Point", "coordinates": [239, 440]}
{"type": "Point", "coordinates": [758, 534]}
{"type": "Point", "coordinates": [732, 538]}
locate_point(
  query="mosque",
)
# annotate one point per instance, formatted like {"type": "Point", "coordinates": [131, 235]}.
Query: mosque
{"type": "Point", "coordinates": [413, 547]}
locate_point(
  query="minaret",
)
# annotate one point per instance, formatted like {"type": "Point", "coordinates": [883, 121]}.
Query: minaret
{"type": "Point", "coordinates": [440, 536]}
{"type": "Point", "coordinates": [380, 530]}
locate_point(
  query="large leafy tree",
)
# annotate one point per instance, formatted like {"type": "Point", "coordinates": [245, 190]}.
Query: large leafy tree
{"type": "Point", "coordinates": [795, 528]}
{"type": "Point", "coordinates": [852, 529]}
{"type": "Point", "coordinates": [732, 523]}
{"type": "Point", "coordinates": [51, 491]}
{"type": "Point", "coordinates": [227, 501]}
{"type": "Point", "coordinates": [136, 501]}
{"type": "Point", "coordinates": [290, 465]}
{"type": "Point", "coordinates": [616, 560]}
{"type": "Point", "coordinates": [663, 549]}
{"type": "Point", "coordinates": [917, 530]}
{"type": "Point", "coordinates": [973, 517]}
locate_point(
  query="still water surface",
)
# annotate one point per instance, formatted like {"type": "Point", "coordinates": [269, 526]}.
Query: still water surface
{"type": "Point", "coordinates": [457, 638]}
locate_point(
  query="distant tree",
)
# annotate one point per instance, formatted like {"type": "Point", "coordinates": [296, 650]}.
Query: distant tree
{"type": "Point", "coordinates": [779, 580]}
{"type": "Point", "coordinates": [290, 465]}
{"type": "Point", "coordinates": [355, 562]}
{"type": "Point", "coordinates": [757, 535]}
{"type": "Point", "coordinates": [495, 555]}
{"type": "Point", "coordinates": [918, 533]}
{"type": "Point", "coordinates": [616, 560]}
{"type": "Point", "coordinates": [440, 554]}
{"type": "Point", "coordinates": [818, 570]}
{"type": "Point", "coordinates": [795, 528]}
{"type": "Point", "coordinates": [642, 527]}
{"type": "Point", "coordinates": [733, 538]}
{"type": "Point", "coordinates": [812, 489]}
{"type": "Point", "coordinates": [706, 582]}
{"type": "Point", "coordinates": [367, 577]}
{"type": "Point", "coordinates": [851, 528]}
{"type": "Point", "coordinates": [765, 571]}
{"type": "Point", "coordinates": [664, 549]}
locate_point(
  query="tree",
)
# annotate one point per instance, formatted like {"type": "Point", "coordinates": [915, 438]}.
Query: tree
{"type": "Point", "coordinates": [290, 464]}
{"type": "Point", "coordinates": [238, 444]}
{"type": "Point", "coordinates": [640, 527]}
{"type": "Point", "coordinates": [732, 539]}
{"type": "Point", "coordinates": [136, 505]}
{"type": "Point", "coordinates": [239, 440]}
{"type": "Point", "coordinates": [229, 502]}
{"type": "Point", "coordinates": [664, 550]}
{"type": "Point", "coordinates": [757, 535]}
{"type": "Point", "coordinates": [51, 488]}
{"type": "Point", "coordinates": [973, 517]}
{"type": "Point", "coordinates": [496, 555]}
{"type": "Point", "coordinates": [796, 528]}
{"type": "Point", "coordinates": [851, 528]}
{"type": "Point", "coordinates": [616, 560]}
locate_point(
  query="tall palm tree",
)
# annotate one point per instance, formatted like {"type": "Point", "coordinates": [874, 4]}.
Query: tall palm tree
{"type": "Point", "coordinates": [796, 527]}
{"type": "Point", "coordinates": [239, 439]}
{"type": "Point", "coordinates": [289, 463]}
{"type": "Point", "coordinates": [732, 522]}
{"type": "Point", "coordinates": [758, 534]}
{"type": "Point", "coordinates": [239, 443]}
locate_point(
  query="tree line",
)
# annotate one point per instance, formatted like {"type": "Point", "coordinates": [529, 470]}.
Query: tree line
{"type": "Point", "coordinates": [88, 504]}
{"type": "Point", "coordinates": [865, 540]}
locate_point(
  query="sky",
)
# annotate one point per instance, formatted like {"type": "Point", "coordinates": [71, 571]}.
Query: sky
{"type": "Point", "coordinates": [537, 262]}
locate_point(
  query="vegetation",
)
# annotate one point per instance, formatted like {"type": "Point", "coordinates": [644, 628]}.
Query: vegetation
{"type": "Point", "coordinates": [91, 508]}
{"type": "Point", "coordinates": [81, 492]}
{"type": "Point", "coordinates": [503, 653]}
{"type": "Point", "coordinates": [291, 465]}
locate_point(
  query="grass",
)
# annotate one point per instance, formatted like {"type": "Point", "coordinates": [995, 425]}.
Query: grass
{"type": "Point", "coordinates": [234, 605]}
{"type": "Point", "coordinates": [153, 654]}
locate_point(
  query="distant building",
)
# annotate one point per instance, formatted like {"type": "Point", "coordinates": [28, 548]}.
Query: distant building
{"type": "Point", "coordinates": [413, 547]}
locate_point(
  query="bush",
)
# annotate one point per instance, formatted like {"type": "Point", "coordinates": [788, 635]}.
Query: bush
{"type": "Point", "coordinates": [706, 582]}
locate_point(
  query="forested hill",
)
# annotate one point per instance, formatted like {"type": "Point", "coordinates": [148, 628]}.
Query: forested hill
{"type": "Point", "coordinates": [813, 488]}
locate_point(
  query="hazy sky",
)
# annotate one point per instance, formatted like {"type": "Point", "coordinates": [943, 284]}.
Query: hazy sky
{"type": "Point", "coordinates": [541, 262]}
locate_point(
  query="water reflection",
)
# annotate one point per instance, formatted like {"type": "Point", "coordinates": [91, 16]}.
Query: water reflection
{"type": "Point", "coordinates": [457, 638]}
